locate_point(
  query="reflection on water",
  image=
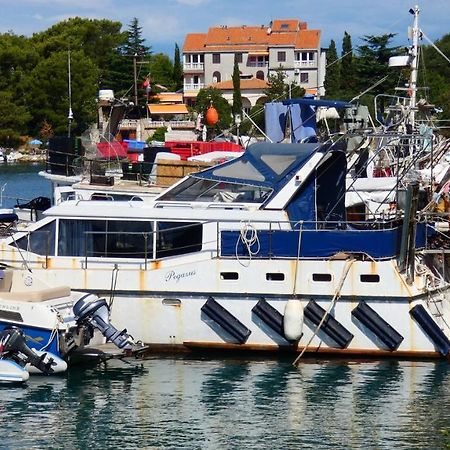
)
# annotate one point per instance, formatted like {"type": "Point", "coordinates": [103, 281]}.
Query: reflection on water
{"type": "Point", "coordinates": [231, 404]}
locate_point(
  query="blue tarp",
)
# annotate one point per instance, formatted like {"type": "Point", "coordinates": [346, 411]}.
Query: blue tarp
{"type": "Point", "coordinates": [379, 244]}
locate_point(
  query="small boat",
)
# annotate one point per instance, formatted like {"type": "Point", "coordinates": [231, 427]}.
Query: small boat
{"type": "Point", "coordinates": [43, 329]}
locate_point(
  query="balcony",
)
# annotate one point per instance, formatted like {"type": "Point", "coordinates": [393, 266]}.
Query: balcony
{"type": "Point", "coordinates": [149, 124]}
{"type": "Point", "coordinates": [258, 63]}
{"type": "Point", "coordinates": [300, 64]}
{"type": "Point", "coordinates": [194, 67]}
{"type": "Point", "coordinates": [193, 86]}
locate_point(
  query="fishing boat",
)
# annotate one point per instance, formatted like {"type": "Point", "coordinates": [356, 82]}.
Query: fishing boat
{"type": "Point", "coordinates": [266, 252]}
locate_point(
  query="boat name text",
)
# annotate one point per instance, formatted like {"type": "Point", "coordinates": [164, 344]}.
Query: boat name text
{"type": "Point", "coordinates": [174, 276]}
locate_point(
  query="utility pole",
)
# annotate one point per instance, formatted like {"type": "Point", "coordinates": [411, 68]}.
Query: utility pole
{"type": "Point", "coordinates": [135, 79]}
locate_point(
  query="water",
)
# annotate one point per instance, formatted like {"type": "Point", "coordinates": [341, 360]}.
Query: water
{"type": "Point", "coordinates": [228, 403]}
{"type": "Point", "coordinates": [22, 182]}
{"type": "Point", "coordinates": [185, 403]}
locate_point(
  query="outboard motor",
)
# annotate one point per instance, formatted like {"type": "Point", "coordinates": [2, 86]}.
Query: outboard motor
{"type": "Point", "coordinates": [13, 346]}
{"type": "Point", "coordinates": [96, 314]}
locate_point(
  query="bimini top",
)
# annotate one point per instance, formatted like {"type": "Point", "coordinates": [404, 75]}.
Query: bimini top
{"type": "Point", "coordinates": [263, 168]}
{"type": "Point", "coordinates": [275, 176]}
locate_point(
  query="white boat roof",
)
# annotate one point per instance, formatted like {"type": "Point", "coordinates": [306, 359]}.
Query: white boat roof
{"type": "Point", "coordinates": [165, 210]}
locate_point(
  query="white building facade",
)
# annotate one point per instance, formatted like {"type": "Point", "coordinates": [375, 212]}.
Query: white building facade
{"type": "Point", "coordinates": [208, 58]}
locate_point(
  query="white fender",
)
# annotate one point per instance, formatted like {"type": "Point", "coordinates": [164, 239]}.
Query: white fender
{"type": "Point", "coordinates": [60, 366]}
{"type": "Point", "coordinates": [293, 319]}
{"type": "Point", "coordinates": [11, 372]}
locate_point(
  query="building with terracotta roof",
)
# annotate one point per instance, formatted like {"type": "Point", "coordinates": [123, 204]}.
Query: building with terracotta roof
{"type": "Point", "coordinates": [208, 58]}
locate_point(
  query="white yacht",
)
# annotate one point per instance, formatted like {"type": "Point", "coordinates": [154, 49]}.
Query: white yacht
{"type": "Point", "coordinates": [256, 254]}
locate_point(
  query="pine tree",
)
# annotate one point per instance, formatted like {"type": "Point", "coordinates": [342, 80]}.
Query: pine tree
{"type": "Point", "coordinates": [132, 49]}
{"type": "Point", "coordinates": [177, 69]}
{"type": "Point", "coordinates": [237, 97]}
{"type": "Point", "coordinates": [348, 76]}
{"type": "Point", "coordinates": [333, 72]}
{"type": "Point", "coordinates": [373, 59]}
{"type": "Point", "coordinates": [135, 41]}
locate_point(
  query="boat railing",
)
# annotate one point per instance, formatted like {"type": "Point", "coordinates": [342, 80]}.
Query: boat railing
{"type": "Point", "coordinates": [377, 239]}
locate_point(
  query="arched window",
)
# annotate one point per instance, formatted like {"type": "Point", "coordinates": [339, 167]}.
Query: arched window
{"type": "Point", "coordinates": [216, 77]}
{"type": "Point", "coordinates": [260, 75]}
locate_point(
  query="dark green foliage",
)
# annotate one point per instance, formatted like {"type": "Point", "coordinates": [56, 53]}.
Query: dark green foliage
{"type": "Point", "coordinates": [348, 79]}
{"type": "Point", "coordinates": [372, 64]}
{"type": "Point", "coordinates": [237, 97]}
{"type": "Point", "coordinates": [333, 72]}
{"type": "Point", "coordinates": [47, 94]}
{"type": "Point", "coordinates": [158, 135]}
{"type": "Point", "coordinates": [257, 116]}
{"type": "Point", "coordinates": [13, 120]}
{"type": "Point", "coordinates": [213, 96]}
{"type": "Point", "coordinates": [436, 76]}
{"type": "Point", "coordinates": [177, 70]}
{"type": "Point", "coordinates": [133, 53]}
{"type": "Point", "coordinates": [161, 70]}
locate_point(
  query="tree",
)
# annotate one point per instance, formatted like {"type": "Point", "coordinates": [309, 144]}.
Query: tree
{"type": "Point", "coordinates": [161, 70]}
{"type": "Point", "coordinates": [212, 96]}
{"type": "Point", "coordinates": [237, 98]}
{"type": "Point", "coordinates": [278, 90]}
{"type": "Point", "coordinates": [333, 72]}
{"type": "Point", "coordinates": [438, 74]}
{"type": "Point", "coordinates": [46, 131]}
{"type": "Point", "coordinates": [373, 62]}
{"type": "Point", "coordinates": [13, 119]}
{"type": "Point", "coordinates": [348, 76]}
{"type": "Point", "coordinates": [177, 70]}
{"type": "Point", "coordinates": [132, 49]}
{"type": "Point", "coordinates": [47, 93]}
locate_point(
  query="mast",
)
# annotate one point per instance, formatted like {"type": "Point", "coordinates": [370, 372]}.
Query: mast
{"type": "Point", "coordinates": [414, 63]}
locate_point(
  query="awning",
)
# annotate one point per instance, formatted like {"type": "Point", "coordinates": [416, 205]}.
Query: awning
{"type": "Point", "coordinates": [167, 109]}
{"type": "Point", "coordinates": [170, 97]}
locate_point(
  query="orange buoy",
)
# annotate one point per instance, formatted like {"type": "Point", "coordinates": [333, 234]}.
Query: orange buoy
{"type": "Point", "coordinates": [211, 117]}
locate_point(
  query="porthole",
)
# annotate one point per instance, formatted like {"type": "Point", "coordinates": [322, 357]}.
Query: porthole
{"type": "Point", "coordinates": [322, 277]}
{"type": "Point", "coordinates": [369, 278]}
{"type": "Point", "coordinates": [275, 276]}
{"type": "Point", "coordinates": [229, 276]}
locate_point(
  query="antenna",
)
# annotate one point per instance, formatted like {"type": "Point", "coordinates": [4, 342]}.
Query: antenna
{"type": "Point", "coordinates": [70, 115]}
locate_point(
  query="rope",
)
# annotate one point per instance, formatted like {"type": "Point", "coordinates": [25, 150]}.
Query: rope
{"type": "Point", "coordinates": [114, 275]}
{"type": "Point", "coordinates": [52, 334]}
{"type": "Point", "coordinates": [248, 240]}
{"type": "Point", "coordinates": [335, 298]}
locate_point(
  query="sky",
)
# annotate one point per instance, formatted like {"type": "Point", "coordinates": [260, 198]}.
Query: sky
{"type": "Point", "coordinates": [166, 22]}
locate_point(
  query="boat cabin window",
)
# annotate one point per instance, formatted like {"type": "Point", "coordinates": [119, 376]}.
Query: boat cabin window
{"type": "Point", "coordinates": [127, 239]}
{"type": "Point", "coordinates": [241, 170]}
{"type": "Point", "coordinates": [105, 238]}
{"type": "Point", "coordinates": [118, 197]}
{"type": "Point", "coordinates": [196, 189]}
{"type": "Point", "coordinates": [177, 238]}
{"type": "Point", "coordinates": [40, 241]}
